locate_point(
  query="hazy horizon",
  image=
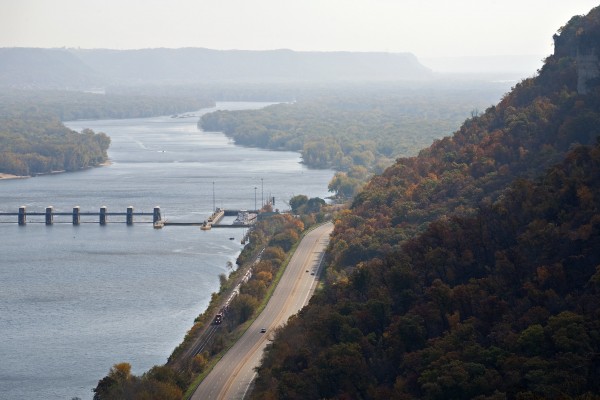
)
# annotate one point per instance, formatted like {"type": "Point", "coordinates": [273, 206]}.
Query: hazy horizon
{"type": "Point", "coordinates": [516, 66]}
{"type": "Point", "coordinates": [433, 29]}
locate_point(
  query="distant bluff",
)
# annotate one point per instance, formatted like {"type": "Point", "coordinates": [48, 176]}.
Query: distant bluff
{"type": "Point", "coordinates": [77, 68]}
{"type": "Point", "coordinates": [579, 40]}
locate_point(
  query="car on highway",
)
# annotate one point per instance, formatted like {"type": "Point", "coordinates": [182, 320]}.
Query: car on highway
{"type": "Point", "coordinates": [263, 330]}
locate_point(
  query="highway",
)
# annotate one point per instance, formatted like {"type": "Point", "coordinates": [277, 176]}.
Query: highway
{"type": "Point", "coordinates": [231, 377]}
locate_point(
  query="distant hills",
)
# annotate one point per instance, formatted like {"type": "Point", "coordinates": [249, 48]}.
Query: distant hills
{"type": "Point", "coordinates": [84, 69]}
{"type": "Point", "coordinates": [24, 68]}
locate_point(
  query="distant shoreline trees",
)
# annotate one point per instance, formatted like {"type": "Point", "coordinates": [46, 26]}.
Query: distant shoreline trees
{"type": "Point", "coordinates": [355, 130]}
{"type": "Point", "coordinates": [30, 147]}
{"type": "Point", "coordinates": [34, 141]}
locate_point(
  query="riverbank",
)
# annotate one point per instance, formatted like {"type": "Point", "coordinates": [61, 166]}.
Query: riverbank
{"type": "Point", "coordinates": [4, 176]}
{"type": "Point", "coordinates": [231, 377]}
{"type": "Point", "coordinates": [87, 295]}
{"type": "Point", "coordinates": [238, 302]}
{"type": "Point", "coordinates": [10, 176]}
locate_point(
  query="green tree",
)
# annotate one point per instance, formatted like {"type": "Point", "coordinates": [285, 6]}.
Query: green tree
{"type": "Point", "coordinates": [297, 202]}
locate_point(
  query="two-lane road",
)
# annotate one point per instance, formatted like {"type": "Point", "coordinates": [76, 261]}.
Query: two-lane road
{"type": "Point", "coordinates": [231, 377]}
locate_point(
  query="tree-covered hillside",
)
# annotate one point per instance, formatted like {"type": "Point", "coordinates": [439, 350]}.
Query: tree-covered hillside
{"type": "Point", "coordinates": [528, 131]}
{"type": "Point", "coordinates": [471, 270]}
{"type": "Point", "coordinates": [26, 68]}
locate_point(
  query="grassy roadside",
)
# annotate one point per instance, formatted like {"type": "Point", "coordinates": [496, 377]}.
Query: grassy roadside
{"type": "Point", "coordinates": [266, 256]}
{"type": "Point", "coordinates": [241, 329]}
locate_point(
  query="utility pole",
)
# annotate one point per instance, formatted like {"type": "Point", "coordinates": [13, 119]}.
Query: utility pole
{"type": "Point", "coordinates": [255, 198]}
{"type": "Point", "coordinates": [262, 198]}
{"type": "Point", "coordinates": [214, 206]}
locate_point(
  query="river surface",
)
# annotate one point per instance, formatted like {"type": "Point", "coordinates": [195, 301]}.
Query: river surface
{"type": "Point", "coordinates": [74, 300]}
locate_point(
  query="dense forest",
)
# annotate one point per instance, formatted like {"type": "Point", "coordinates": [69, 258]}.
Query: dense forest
{"type": "Point", "coordinates": [33, 139]}
{"type": "Point", "coordinates": [40, 145]}
{"type": "Point", "coordinates": [471, 270]}
{"type": "Point", "coordinates": [357, 129]}
{"type": "Point", "coordinates": [116, 103]}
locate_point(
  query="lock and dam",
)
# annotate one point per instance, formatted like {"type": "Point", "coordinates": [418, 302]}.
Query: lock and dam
{"type": "Point", "coordinates": [103, 216]}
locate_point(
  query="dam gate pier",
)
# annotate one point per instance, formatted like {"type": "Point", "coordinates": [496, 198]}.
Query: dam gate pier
{"type": "Point", "coordinates": [103, 215]}
{"type": "Point", "coordinates": [246, 218]}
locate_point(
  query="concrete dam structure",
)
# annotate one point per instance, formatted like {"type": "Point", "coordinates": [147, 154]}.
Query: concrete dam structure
{"type": "Point", "coordinates": [103, 215]}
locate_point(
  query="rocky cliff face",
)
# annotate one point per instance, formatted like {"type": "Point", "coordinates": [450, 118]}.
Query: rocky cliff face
{"type": "Point", "coordinates": [587, 69]}
{"type": "Point", "coordinates": [579, 41]}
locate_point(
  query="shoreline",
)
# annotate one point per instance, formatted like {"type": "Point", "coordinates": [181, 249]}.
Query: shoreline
{"type": "Point", "coordinates": [4, 176]}
{"type": "Point", "coordinates": [10, 176]}
{"type": "Point", "coordinates": [53, 188]}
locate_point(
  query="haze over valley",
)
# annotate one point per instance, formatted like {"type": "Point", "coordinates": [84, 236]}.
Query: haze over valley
{"type": "Point", "coordinates": [419, 179]}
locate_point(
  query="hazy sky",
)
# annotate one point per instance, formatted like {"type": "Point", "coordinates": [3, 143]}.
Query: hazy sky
{"type": "Point", "coordinates": [424, 27]}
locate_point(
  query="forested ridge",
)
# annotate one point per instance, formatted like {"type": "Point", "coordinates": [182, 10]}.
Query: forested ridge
{"type": "Point", "coordinates": [82, 69]}
{"type": "Point", "coordinates": [471, 270]}
{"type": "Point", "coordinates": [33, 139]}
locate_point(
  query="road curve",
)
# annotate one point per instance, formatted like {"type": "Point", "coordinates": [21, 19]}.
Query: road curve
{"type": "Point", "coordinates": [231, 377]}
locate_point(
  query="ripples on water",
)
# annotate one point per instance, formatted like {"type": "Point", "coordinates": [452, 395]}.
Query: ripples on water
{"type": "Point", "coordinates": [74, 300]}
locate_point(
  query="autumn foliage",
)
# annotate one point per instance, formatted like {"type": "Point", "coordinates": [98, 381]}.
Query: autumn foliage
{"type": "Point", "coordinates": [471, 270]}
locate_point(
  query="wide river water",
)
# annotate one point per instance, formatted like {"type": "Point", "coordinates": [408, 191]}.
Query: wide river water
{"type": "Point", "coordinates": [74, 300]}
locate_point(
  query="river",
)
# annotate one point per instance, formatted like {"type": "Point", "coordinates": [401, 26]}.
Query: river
{"type": "Point", "coordinates": [74, 300]}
